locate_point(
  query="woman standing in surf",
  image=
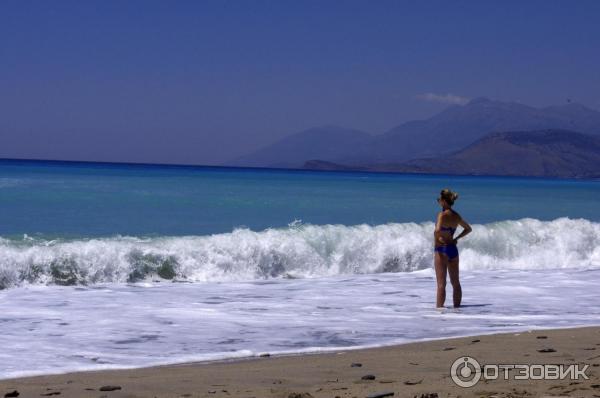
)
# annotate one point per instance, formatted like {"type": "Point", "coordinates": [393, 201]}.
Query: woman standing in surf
{"type": "Point", "coordinates": [446, 252]}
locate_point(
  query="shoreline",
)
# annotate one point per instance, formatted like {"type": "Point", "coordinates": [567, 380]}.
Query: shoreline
{"type": "Point", "coordinates": [406, 369]}
{"type": "Point", "coordinates": [286, 354]}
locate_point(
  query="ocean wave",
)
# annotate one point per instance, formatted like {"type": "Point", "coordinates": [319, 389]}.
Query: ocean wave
{"type": "Point", "coordinates": [298, 251]}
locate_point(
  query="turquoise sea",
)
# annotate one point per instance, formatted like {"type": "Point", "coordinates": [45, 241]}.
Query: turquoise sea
{"type": "Point", "coordinates": [94, 199]}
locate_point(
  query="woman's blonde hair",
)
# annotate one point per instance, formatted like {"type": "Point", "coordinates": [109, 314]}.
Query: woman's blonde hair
{"type": "Point", "coordinates": [448, 196]}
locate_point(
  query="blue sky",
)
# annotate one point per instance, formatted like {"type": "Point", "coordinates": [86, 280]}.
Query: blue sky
{"type": "Point", "coordinates": [205, 81]}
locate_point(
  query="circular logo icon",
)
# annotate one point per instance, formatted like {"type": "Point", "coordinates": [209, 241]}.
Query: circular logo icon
{"type": "Point", "coordinates": [465, 372]}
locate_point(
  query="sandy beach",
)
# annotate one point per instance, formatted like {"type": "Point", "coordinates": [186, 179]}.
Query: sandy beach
{"type": "Point", "coordinates": [417, 369]}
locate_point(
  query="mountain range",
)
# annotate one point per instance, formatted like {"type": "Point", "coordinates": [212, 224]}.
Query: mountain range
{"type": "Point", "coordinates": [447, 136]}
{"type": "Point", "coordinates": [325, 142]}
{"type": "Point", "coordinates": [542, 153]}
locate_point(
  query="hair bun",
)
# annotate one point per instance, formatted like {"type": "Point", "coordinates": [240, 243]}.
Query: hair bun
{"type": "Point", "coordinates": [449, 196]}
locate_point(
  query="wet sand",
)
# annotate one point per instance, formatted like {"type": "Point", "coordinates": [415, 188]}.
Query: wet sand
{"type": "Point", "coordinates": [416, 369]}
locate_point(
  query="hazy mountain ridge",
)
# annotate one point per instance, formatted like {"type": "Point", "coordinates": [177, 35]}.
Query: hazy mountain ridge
{"type": "Point", "coordinates": [542, 153]}
{"type": "Point", "coordinates": [458, 126]}
{"type": "Point", "coordinates": [450, 130]}
{"type": "Point", "coordinates": [325, 142]}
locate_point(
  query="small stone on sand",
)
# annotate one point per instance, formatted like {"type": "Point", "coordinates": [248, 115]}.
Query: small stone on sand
{"type": "Point", "coordinates": [110, 388]}
{"type": "Point", "coordinates": [381, 394]}
{"type": "Point", "coordinates": [544, 350]}
{"type": "Point", "coordinates": [300, 395]}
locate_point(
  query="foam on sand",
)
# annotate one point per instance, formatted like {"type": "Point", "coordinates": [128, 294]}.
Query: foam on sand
{"type": "Point", "coordinates": [54, 329]}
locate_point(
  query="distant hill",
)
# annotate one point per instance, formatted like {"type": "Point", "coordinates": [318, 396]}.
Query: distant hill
{"type": "Point", "coordinates": [449, 130]}
{"type": "Point", "coordinates": [330, 166]}
{"type": "Point", "coordinates": [325, 142]}
{"type": "Point", "coordinates": [544, 153]}
{"type": "Point", "coordinates": [458, 126]}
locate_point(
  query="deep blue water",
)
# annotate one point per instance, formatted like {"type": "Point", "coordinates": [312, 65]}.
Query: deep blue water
{"type": "Point", "coordinates": [95, 199]}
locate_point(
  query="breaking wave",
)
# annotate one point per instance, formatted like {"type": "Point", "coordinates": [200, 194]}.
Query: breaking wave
{"type": "Point", "coordinates": [298, 251]}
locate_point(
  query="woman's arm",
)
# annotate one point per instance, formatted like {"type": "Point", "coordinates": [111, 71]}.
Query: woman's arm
{"type": "Point", "coordinates": [466, 229]}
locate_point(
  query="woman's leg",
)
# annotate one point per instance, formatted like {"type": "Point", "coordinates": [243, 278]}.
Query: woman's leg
{"type": "Point", "coordinates": [456, 288]}
{"type": "Point", "coordinates": [440, 261]}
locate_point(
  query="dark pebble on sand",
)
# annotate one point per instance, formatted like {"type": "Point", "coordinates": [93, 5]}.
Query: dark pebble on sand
{"type": "Point", "coordinates": [448, 348]}
{"type": "Point", "coordinates": [48, 394]}
{"type": "Point", "coordinates": [475, 341]}
{"type": "Point", "coordinates": [368, 377]}
{"type": "Point", "coordinates": [300, 395]}
{"type": "Point", "coordinates": [427, 395]}
{"type": "Point", "coordinates": [413, 383]}
{"type": "Point", "coordinates": [541, 337]}
{"type": "Point", "coordinates": [355, 365]}
{"type": "Point", "coordinates": [381, 394]}
{"type": "Point", "coordinates": [595, 386]}
{"type": "Point", "coordinates": [110, 388]}
{"type": "Point", "coordinates": [544, 350]}
{"type": "Point", "coordinates": [14, 393]}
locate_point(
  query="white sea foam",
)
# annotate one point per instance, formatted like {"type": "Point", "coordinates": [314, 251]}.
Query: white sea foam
{"type": "Point", "coordinates": [54, 329]}
{"type": "Point", "coordinates": [299, 251]}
